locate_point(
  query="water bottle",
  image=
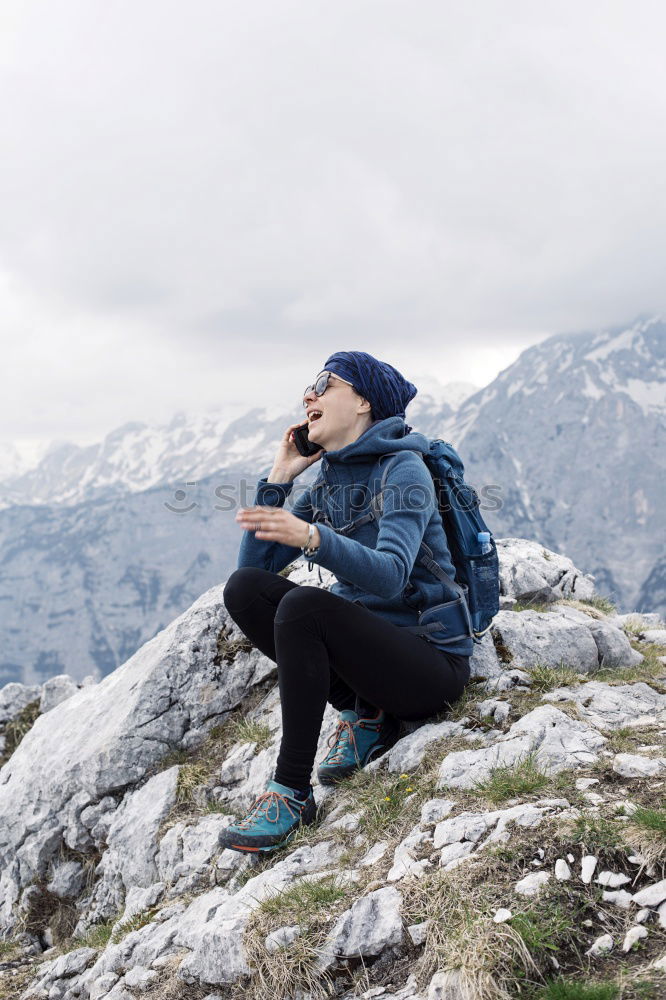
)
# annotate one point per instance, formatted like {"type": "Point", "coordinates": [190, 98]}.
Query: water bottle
{"type": "Point", "coordinates": [483, 538]}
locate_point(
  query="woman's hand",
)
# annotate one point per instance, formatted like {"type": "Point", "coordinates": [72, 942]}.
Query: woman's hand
{"type": "Point", "coordinates": [288, 462]}
{"type": "Point", "coordinates": [274, 524]}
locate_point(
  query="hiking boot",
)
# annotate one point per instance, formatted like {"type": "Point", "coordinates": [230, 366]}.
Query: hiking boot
{"type": "Point", "coordinates": [271, 822]}
{"type": "Point", "coordinates": [355, 742]}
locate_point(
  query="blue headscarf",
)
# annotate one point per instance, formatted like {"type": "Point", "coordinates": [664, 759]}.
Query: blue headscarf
{"type": "Point", "coordinates": [387, 391]}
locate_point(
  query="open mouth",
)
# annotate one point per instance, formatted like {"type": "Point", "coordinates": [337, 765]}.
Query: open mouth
{"type": "Point", "coordinates": [314, 415]}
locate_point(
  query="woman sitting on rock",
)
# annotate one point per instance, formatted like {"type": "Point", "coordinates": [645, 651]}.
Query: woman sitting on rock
{"type": "Point", "coordinates": [350, 646]}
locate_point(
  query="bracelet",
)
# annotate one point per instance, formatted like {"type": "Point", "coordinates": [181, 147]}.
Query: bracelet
{"type": "Point", "coordinates": [308, 549]}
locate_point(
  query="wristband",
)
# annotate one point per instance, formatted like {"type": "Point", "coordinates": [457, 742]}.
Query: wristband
{"type": "Point", "coordinates": [308, 549]}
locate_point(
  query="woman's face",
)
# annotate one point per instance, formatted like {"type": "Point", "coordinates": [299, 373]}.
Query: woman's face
{"type": "Point", "coordinates": [334, 415]}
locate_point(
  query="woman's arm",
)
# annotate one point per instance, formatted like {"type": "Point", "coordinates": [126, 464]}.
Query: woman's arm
{"type": "Point", "coordinates": [271, 555]}
{"type": "Point", "coordinates": [409, 502]}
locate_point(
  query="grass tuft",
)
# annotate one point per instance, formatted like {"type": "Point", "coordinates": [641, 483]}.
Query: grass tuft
{"type": "Point", "coordinates": [124, 927]}
{"type": "Point", "coordinates": [561, 989]}
{"type": "Point", "coordinates": [539, 606]}
{"type": "Point", "coordinates": [489, 961]}
{"type": "Point", "coordinates": [599, 602]}
{"type": "Point", "coordinates": [596, 833]}
{"type": "Point", "coordinates": [508, 781]}
{"type": "Point", "coordinates": [297, 901]}
{"type": "Point", "coordinates": [651, 819]}
{"type": "Point", "coordinates": [546, 678]}
{"type": "Point", "coordinates": [293, 971]}
{"type": "Point", "coordinates": [248, 731]}
{"type": "Point", "coordinates": [97, 936]}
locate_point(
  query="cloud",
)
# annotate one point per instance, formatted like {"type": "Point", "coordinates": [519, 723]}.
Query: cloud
{"type": "Point", "coordinates": [209, 187]}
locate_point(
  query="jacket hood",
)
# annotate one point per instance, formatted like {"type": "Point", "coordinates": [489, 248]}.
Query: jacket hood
{"type": "Point", "coordinates": [381, 436]}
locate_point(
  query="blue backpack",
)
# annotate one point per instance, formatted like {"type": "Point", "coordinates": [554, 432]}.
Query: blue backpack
{"type": "Point", "coordinates": [477, 565]}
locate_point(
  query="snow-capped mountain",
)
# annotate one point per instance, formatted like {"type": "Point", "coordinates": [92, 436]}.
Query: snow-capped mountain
{"type": "Point", "coordinates": [83, 586]}
{"type": "Point", "coordinates": [573, 435]}
{"type": "Point", "coordinates": [108, 543]}
{"type": "Point", "coordinates": [137, 457]}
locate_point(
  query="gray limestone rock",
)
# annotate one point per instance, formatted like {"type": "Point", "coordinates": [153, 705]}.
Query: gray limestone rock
{"type": "Point", "coordinates": [58, 971]}
{"type": "Point", "coordinates": [651, 895]}
{"type": "Point", "coordinates": [610, 707]}
{"type": "Point", "coordinates": [558, 741]}
{"type": "Point", "coordinates": [613, 646]}
{"type": "Point", "coordinates": [408, 752]}
{"type": "Point", "coordinates": [14, 697]}
{"type": "Point", "coordinates": [56, 690]}
{"type": "Point", "coordinates": [132, 846]}
{"type": "Point", "coordinates": [484, 661]}
{"type": "Point", "coordinates": [67, 880]}
{"type": "Point", "coordinates": [371, 925]}
{"type": "Point", "coordinates": [103, 739]}
{"type": "Point", "coordinates": [217, 954]}
{"type": "Point", "coordinates": [632, 765]}
{"type": "Point", "coordinates": [282, 938]}
{"type": "Point", "coordinates": [654, 636]}
{"type": "Point", "coordinates": [528, 571]}
{"type": "Point", "coordinates": [533, 637]}
{"type": "Point", "coordinates": [530, 884]}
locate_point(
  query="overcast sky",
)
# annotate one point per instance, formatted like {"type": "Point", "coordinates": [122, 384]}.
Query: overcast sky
{"type": "Point", "coordinates": [201, 200]}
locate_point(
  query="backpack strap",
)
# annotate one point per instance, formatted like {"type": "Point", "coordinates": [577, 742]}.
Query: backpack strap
{"type": "Point", "coordinates": [427, 559]}
{"type": "Point", "coordinates": [424, 555]}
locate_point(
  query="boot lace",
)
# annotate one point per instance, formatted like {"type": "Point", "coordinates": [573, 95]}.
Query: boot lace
{"type": "Point", "coordinates": [262, 810]}
{"type": "Point", "coordinates": [343, 736]}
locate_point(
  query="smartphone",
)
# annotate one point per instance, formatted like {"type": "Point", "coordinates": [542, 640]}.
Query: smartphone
{"type": "Point", "coordinates": [305, 446]}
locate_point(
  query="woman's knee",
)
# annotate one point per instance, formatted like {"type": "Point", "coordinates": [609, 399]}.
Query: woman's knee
{"type": "Point", "coordinates": [240, 588]}
{"type": "Point", "coordinates": [299, 601]}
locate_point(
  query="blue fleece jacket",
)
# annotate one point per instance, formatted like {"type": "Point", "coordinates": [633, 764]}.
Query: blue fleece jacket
{"type": "Point", "coordinates": [377, 569]}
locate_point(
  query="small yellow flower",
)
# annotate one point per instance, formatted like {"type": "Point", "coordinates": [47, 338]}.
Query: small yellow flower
{"type": "Point", "coordinates": [387, 798]}
{"type": "Point", "coordinates": [404, 776]}
{"type": "Point", "coordinates": [408, 789]}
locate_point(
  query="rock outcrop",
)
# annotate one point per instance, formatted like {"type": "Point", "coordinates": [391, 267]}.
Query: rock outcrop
{"type": "Point", "coordinates": [111, 804]}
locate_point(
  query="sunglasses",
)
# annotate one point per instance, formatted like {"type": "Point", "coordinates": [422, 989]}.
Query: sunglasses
{"type": "Point", "coordinates": [320, 385]}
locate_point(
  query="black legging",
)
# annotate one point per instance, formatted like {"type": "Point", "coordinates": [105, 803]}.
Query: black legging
{"type": "Point", "coordinates": [328, 649]}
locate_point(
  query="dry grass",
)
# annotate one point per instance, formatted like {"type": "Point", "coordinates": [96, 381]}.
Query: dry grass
{"type": "Point", "coordinates": [313, 906]}
{"type": "Point", "coordinates": [491, 960]}
{"type": "Point", "coordinates": [603, 604]}
{"type": "Point", "coordinates": [546, 678]}
{"type": "Point", "coordinates": [651, 670]}
{"type": "Point", "coordinates": [17, 727]}
{"type": "Point", "coordinates": [647, 832]}
{"type": "Point", "coordinates": [14, 983]}
{"type": "Point", "coordinates": [169, 985]}
{"type": "Point", "coordinates": [48, 910]}
{"type": "Point", "coordinates": [628, 738]}
{"type": "Point", "coordinates": [494, 962]}
{"type": "Point", "coordinates": [230, 642]}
